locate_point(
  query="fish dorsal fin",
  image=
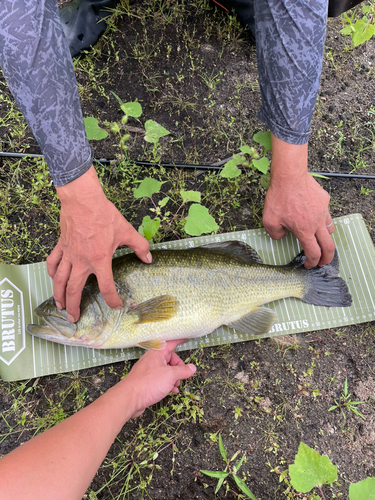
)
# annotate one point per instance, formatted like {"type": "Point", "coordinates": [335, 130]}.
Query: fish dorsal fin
{"type": "Point", "coordinates": [237, 249]}
{"type": "Point", "coordinates": [256, 322]}
{"type": "Point", "coordinates": [156, 309]}
{"type": "Point", "coordinates": [156, 345]}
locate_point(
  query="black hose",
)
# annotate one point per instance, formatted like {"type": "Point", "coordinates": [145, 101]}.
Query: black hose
{"type": "Point", "coordinates": [187, 166]}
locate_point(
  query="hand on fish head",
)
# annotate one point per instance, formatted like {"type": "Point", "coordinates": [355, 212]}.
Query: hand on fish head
{"type": "Point", "coordinates": [94, 327]}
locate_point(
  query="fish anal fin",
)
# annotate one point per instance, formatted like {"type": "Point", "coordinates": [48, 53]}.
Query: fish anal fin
{"type": "Point", "coordinates": [238, 249]}
{"type": "Point", "coordinates": [256, 322]}
{"type": "Point", "coordinates": [156, 345]}
{"type": "Point", "coordinates": [156, 309]}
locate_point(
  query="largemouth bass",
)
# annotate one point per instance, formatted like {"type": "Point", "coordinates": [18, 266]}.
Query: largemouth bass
{"type": "Point", "coordinates": [187, 294]}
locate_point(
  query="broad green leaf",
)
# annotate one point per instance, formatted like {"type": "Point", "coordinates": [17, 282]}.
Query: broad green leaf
{"type": "Point", "coordinates": [264, 139]}
{"type": "Point", "coordinates": [364, 490]}
{"type": "Point", "coordinates": [147, 188]}
{"type": "Point", "coordinates": [215, 473]}
{"type": "Point", "coordinates": [154, 131]}
{"type": "Point", "coordinates": [230, 170]}
{"type": "Point", "coordinates": [366, 9]}
{"type": "Point", "coordinates": [194, 196]}
{"type": "Point", "coordinates": [93, 131]}
{"type": "Point", "coordinates": [311, 470]}
{"type": "Point", "coordinates": [243, 487]}
{"type": "Point", "coordinates": [362, 32]}
{"type": "Point", "coordinates": [222, 449]}
{"type": "Point", "coordinates": [347, 30]}
{"type": "Point", "coordinates": [199, 221]}
{"type": "Point", "coordinates": [150, 227]}
{"type": "Point", "coordinates": [265, 180]}
{"type": "Point", "coordinates": [133, 109]}
{"type": "Point", "coordinates": [246, 149]}
{"type": "Point", "coordinates": [163, 202]}
{"type": "Point", "coordinates": [262, 165]}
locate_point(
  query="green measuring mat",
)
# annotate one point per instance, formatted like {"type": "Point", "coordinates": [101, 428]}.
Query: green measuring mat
{"type": "Point", "coordinates": [22, 288]}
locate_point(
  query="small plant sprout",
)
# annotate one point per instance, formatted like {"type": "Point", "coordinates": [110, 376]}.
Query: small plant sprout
{"type": "Point", "coordinates": [197, 222]}
{"type": "Point", "coordinates": [152, 130]}
{"type": "Point", "coordinates": [237, 412]}
{"type": "Point", "coordinates": [344, 402]}
{"type": "Point", "coordinates": [366, 191]}
{"type": "Point", "coordinates": [311, 470]}
{"type": "Point", "coordinates": [362, 29]}
{"type": "Point", "coordinates": [256, 162]}
{"type": "Point", "coordinates": [230, 470]}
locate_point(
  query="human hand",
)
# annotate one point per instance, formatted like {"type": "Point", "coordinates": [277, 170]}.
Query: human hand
{"type": "Point", "coordinates": [295, 201]}
{"type": "Point", "coordinates": [156, 374]}
{"type": "Point", "coordinates": [91, 230]}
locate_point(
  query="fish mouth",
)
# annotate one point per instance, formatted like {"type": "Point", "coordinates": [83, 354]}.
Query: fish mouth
{"type": "Point", "coordinates": [47, 332]}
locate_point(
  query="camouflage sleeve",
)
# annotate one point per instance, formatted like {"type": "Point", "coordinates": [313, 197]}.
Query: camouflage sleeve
{"type": "Point", "coordinates": [37, 65]}
{"type": "Point", "coordinates": [290, 38]}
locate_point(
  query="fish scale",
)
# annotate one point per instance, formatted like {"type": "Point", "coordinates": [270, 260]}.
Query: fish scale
{"type": "Point", "coordinates": [190, 293]}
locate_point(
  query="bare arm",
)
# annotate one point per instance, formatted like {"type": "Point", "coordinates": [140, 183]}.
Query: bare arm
{"type": "Point", "coordinates": [295, 201]}
{"type": "Point", "coordinates": [60, 463]}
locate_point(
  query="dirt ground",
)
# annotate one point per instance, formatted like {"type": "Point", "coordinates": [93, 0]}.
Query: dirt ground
{"type": "Point", "coordinates": [194, 72]}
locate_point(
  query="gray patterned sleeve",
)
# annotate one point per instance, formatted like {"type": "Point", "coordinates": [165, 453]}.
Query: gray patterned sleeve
{"type": "Point", "coordinates": [37, 65]}
{"type": "Point", "coordinates": [290, 36]}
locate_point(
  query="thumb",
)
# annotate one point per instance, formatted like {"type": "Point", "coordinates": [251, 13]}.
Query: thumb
{"type": "Point", "coordinates": [137, 243]}
{"type": "Point", "coordinates": [182, 372]}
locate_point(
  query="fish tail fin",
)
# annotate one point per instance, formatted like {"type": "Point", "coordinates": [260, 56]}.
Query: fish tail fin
{"type": "Point", "coordinates": [324, 287]}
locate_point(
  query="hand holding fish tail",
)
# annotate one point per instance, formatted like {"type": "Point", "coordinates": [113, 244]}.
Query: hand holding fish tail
{"type": "Point", "coordinates": [91, 230]}
{"type": "Point", "coordinates": [155, 375]}
{"type": "Point", "coordinates": [295, 201]}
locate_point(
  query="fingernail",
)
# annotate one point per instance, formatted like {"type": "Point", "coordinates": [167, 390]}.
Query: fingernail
{"type": "Point", "coordinates": [192, 367]}
{"type": "Point", "coordinates": [149, 257]}
{"type": "Point", "coordinates": [71, 318]}
{"type": "Point", "coordinates": [119, 307]}
{"type": "Point", "coordinates": [58, 305]}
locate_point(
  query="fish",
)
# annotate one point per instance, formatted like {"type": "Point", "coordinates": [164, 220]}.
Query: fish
{"type": "Point", "coordinates": [188, 294]}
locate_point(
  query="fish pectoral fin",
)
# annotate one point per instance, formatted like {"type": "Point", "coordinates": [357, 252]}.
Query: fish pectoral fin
{"type": "Point", "coordinates": [157, 309]}
{"type": "Point", "coordinates": [256, 322]}
{"type": "Point", "coordinates": [156, 345]}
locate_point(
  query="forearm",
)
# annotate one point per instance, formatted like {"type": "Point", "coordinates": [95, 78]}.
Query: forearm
{"type": "Point", "coordinates": [36, 62]}
{"type": "Point", "coordinates": [61, 462]}
{"type": "Point", "coordinates": [290, 43]}
{"type": "Point", "coordinates": [289, 161]}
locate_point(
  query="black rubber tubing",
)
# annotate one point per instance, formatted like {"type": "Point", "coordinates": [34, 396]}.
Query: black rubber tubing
{"type": "Point", "coordinates": [187, 166]}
